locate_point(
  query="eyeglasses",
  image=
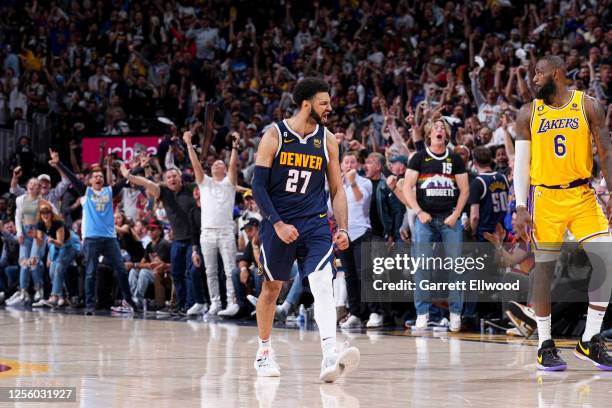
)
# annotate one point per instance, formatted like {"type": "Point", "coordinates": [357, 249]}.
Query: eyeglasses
{"type": "Point", "coordinates": [45, 212]}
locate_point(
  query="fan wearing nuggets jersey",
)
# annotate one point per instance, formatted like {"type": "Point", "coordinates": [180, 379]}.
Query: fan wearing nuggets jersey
{"type": "Point", "coordinates": [553, 165]}
{"type": "Point", "coordinates": [294, 158]}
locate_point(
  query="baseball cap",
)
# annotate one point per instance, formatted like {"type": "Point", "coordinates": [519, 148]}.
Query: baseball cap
{"type": "Point", "coordinates": [252, 222]}
{"type": "Point", "coordinates": [400, 158]}
{"type": "Point", "coordinates": [252, 126]}
{"type": "Point", "coordinates": [247, 194]}
{"type": "Point", "coordinates": [154, 224]}
{"type": "Point", "coordinates": [44, 177]}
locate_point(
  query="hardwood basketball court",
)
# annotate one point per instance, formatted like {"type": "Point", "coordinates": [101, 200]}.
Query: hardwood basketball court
{"type": "Point", "coordinates": [118, 362]}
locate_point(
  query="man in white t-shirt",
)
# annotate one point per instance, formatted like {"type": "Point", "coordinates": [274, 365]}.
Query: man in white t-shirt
{"type": "Point", "coordinates": [217, 194]}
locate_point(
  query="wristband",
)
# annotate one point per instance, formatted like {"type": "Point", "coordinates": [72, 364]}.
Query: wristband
{"type": "Point", "coordinates": [418, 212]}
{"type": "Point", "coordinates": [345, 231]}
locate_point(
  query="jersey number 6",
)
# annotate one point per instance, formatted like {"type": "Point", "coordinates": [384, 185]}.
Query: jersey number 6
{"type": "Point", "coordinates": [560, 148]}
{"type": "Point", "coordinates": [294, 177]}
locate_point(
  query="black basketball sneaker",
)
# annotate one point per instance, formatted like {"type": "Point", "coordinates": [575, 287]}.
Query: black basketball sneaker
{"type": "Point", "coordinates": [548, 358]}
{"type": "Point", "coordinates": [594, 351]}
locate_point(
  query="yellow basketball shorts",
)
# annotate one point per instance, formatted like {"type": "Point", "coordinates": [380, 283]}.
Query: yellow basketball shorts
{"type": "Point", "coordinates": [553, 211]}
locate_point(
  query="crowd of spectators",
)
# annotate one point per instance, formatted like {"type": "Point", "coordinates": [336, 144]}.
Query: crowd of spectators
{"type": "Point", "coordinates": [398, 72]}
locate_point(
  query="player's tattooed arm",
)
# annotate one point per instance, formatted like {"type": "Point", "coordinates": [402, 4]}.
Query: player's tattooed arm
{"type": "Point", "coordinates": [601, 135]}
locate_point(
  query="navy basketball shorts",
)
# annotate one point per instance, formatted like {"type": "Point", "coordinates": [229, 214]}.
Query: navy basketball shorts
{"type": "Point", "coordinates": [313, 249]}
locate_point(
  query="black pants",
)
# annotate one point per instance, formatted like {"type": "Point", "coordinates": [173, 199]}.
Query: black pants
{"type": "Point", "coordinates": [351, 261]}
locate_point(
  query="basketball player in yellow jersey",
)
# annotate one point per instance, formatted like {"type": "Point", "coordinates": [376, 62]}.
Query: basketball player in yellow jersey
{"type": "Point", "coordinates": [553, 165]}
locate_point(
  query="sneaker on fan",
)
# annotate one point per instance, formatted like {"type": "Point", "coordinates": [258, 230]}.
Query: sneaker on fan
{"type": "Point", "coordinates": [196, 309]}
{"type": "Point", "coordinates": [231, 310]}
{"type": "Point", "coordinates": [352, 322]}
{"type": "Point", "coordinates": [455, 322]}
{"type": "Point", "coordinates": [265, 363]}
{"type": "Point", "coordinates": [422, 321]}
{"type": "Point", "coordinates": [38, 295]}
{"type": "Point", "coordinates": [280, 314]}
{"type": "Point", "coordinates": [524, 314]}
{"type": "Point", "coordinates": [40, 303]}
{"type": "Point", "coordinates": [337, 363]}
{"type": "Point", "coordinates": [215, 308]}
{"type": "Point", "coordinates": [514, 332]}
{"type": "Point", "coordinates": [17, 298]}
{"type": "Point", "coordinates": [520, 325]}
{"type": "Point", "coordinates": [375, 320]}
{"type": "Point", "coordinates": [252, 300]}
{"type": "Point", "coordinates": [124, 307]}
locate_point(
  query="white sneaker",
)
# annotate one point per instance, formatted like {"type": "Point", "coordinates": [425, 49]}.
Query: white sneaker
{"type": "Point", "coordinates": [455, 322]}
{"type": "Point", "coordinates": [265, 363]}
{"type": "Point", "coordinates": [18, 297]}
{"type": "Point", "coordinates": [335, 364]}
{"type": "Point", "coordinates": [252, 300]}
{"type": "Point", "coordinates": [514, 332]}
{"type": "Point", "coordinates": [196, 309]}
{"type": "Point", "coordinates": [38, 296]}
{"type": "Point", "coordinates": [421, 322]}
{"type": "Point", "coordinates": [231, 310]}
{"type": "Point", "coordinates": [353, 322]}
{"type": "Point", "coordinates": [280, 315]}
{"type": "Point", "coordinates": [375, 320]}
{"type": "Point", "coordinates": [215, 308]}
{"type": "Point", "coordinates": [40, 303]}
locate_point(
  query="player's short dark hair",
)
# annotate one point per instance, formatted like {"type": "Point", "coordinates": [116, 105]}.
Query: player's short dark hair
{"type": "Point", "coordinates": [307, 88]}
{"type": "Point", "coordinates": [482, 155]}
{"type": "Point", "coordinates": [554, 60]}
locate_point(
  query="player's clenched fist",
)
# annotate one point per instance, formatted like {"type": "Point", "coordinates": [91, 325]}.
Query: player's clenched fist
{"type": "Point", "coordinates": [286, 232]}
{"type": "Point", "coordinates": [341, 240]}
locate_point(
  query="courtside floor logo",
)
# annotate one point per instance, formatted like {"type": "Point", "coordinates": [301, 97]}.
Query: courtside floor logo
{"type": "Point", "coordinates": [12, 368]}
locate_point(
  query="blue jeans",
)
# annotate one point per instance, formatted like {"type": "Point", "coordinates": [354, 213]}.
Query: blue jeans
{"type": "Point", "coordinates": [11, 272]}
{"type": "Point", "coordinates": [93, 248]}
{"type": "Point", "coordinates": [180, 259]}
{"type": "Point", "coordinates": [295, 293]}
{"type": "Point", "coordinates": [425, 235]}
{"type": "Point", "coordinates": [57, 272]}
{"type": "Point", "coordinates": [29, 249]}
{"type": "Point", "coordinates": [241, 290]}
{"type": "Point", "coordinates": [140, 279]}
{"type": "Point", "coordinates": [195, 287]}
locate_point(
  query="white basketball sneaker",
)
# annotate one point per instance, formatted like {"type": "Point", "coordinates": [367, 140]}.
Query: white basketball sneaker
{"type": "Point", "coordinates": [336, 363]}
{"type": "Point", "coordinates": [215, 308]}
{"type": "Point", "coordinates": [265, 363]}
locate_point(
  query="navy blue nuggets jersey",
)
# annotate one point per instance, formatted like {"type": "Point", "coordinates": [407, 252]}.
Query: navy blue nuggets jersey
{"type": "Point", "coordinates": [297, 179]}
{"type": "Point", "coordinates": [490, 191]}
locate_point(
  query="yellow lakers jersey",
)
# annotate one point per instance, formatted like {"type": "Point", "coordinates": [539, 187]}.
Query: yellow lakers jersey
{"type": "Point", "coordinates": [561, 147]}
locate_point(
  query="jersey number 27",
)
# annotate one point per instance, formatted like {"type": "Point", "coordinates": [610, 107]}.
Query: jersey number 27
{"type": "Point", "coordinates": [294, 178]}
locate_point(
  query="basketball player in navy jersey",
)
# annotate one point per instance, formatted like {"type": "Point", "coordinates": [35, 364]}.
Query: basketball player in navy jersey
{"type": "Point", "coordinates": [293, 160]}
{"type": "Point", "coordinates": [488, 195]}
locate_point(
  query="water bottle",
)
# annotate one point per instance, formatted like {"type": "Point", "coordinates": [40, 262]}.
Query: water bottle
{"type": "Point", "coordinates": [144, 306]}
{"type": "Point", "coordinates": [302, 315]}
